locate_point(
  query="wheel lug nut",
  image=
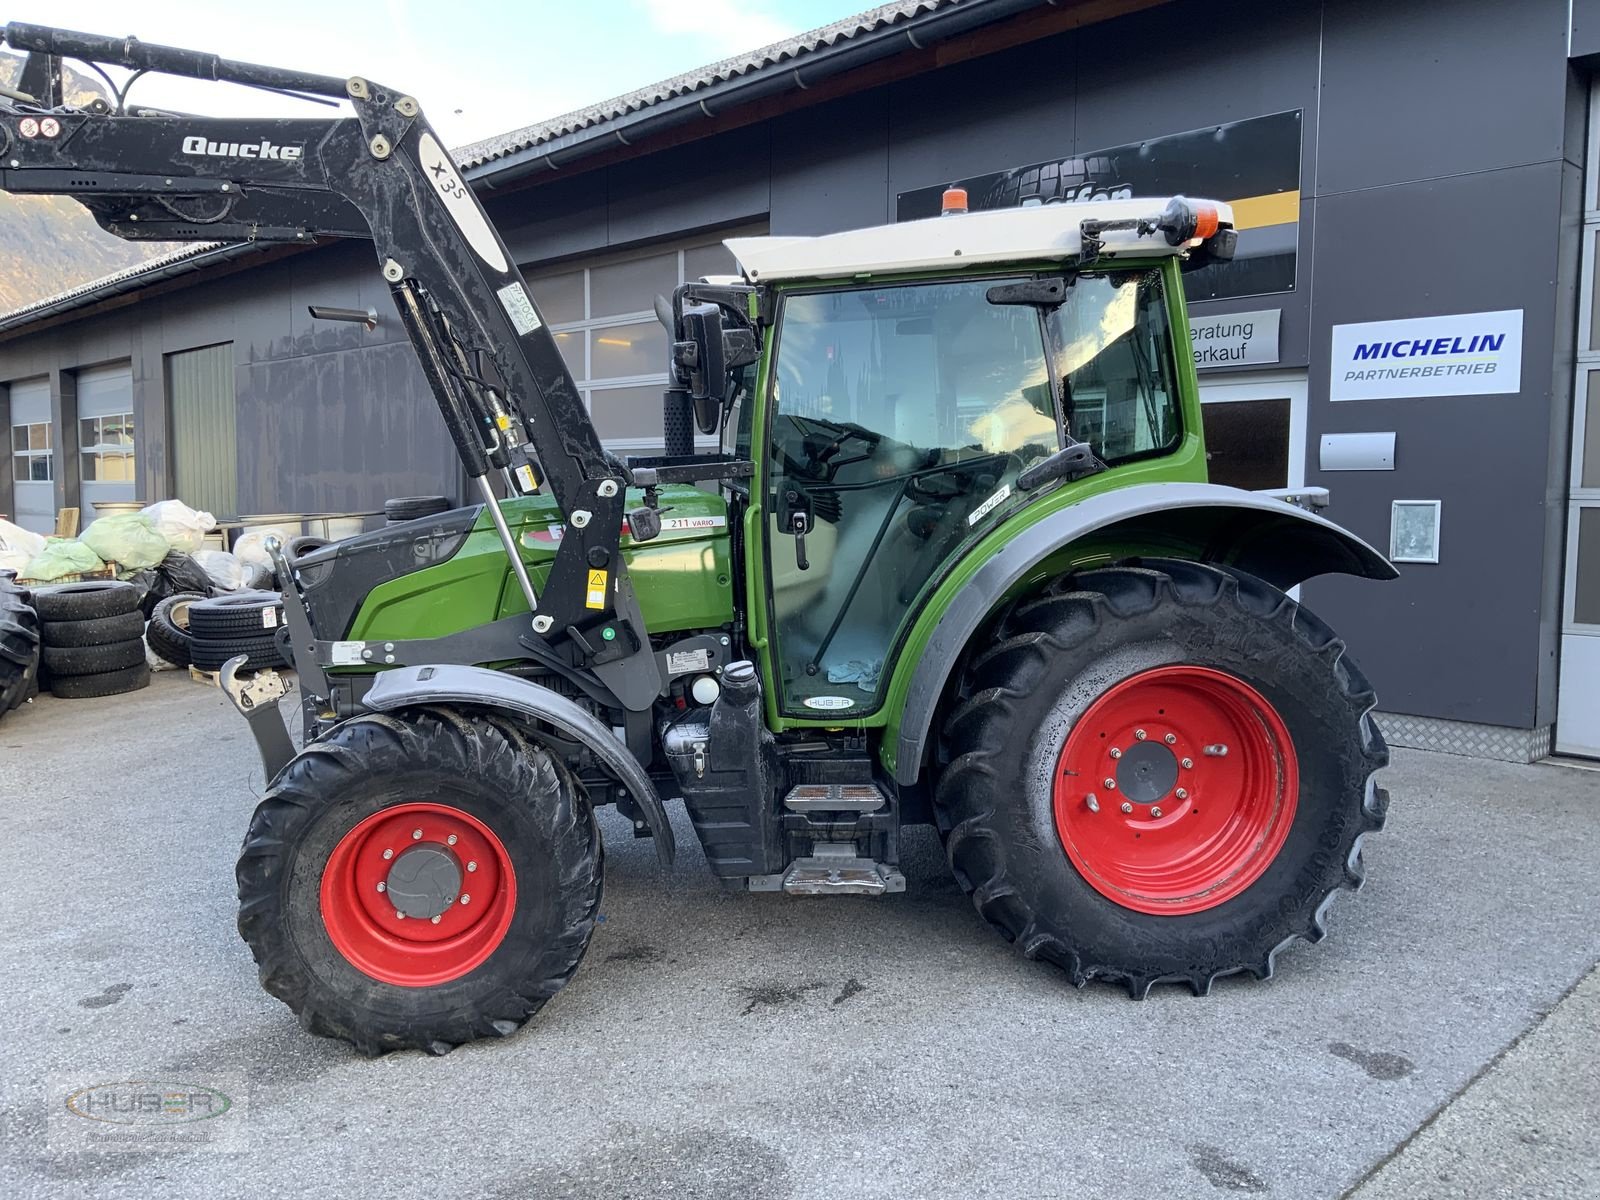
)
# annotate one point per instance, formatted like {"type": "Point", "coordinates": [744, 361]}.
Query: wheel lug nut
{"type": "Point", "coordinates": [451, 840]}
{"type": "Point", "coordinates": [416, 835]}
{"type": "Point", "coordinates": [1110, 784]}
{"type": "Point", "coordinates": [435, 920]}
{"type": "Point", "coordinates": [1170, 739]}
{"type": "Point", "coordinates": [1126, 807]}
{"type": "Point", "coordinates": [472, 866]}
{"type": "Point", "coordinates": [1182, 793]}
{"type": "Point", "coordinates": [382, 886]}
{"type": "Point", "coordinates": [1091, 800]}
{"type": "Point", "coordinates": [388, 853]}
{"type": "Point", "coordinates": [398, 915]}
{"type": "Point", "coordinates": [1116, 752]}
{"type": "Point", "coordinates": [465, 898]}
{"type": "Point", "coordinates": [1155, 812]}
{"type": "Point", "coordinates": [1140, 734]}
{"type": "Point", "coordinates": [1187, 763]}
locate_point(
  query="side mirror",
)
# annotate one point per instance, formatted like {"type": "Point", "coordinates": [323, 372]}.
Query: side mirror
{"type": "Point", "coordinates": [701, 363]}
{"type": "Point", "coordinates": [703, 359]}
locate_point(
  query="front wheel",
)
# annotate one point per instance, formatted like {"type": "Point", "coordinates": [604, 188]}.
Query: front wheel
{"type": "Point", "coordinates": [1159, 773]}
{"type": "Point", "coordinates": [419, 880]}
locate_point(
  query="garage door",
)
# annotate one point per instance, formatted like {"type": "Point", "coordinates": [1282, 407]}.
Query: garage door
{"type": "Point", "coordinates": [106, 441]}
{"type": "Point", "coordinates": [602, 312]}
{"type": "Point", "coordinates": [32, 502]}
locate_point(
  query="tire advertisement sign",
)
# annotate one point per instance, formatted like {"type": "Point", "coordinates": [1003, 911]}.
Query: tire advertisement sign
{"type": "Point", "coordinates": [1252, 164]}
{"type": "Point", "coordinates": [1470, 354]}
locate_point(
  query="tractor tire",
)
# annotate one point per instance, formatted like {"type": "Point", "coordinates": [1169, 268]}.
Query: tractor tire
{"type": "Point", "coordinates": [409, 508]}
{"type": "Point", "coordinates": [105, 683]}
{"type": "Point", "coordinates": [62, 661]}
{"type": "Point", "coordinates": [303, 545]}
{"type": "Point", "coordinates": [19, 645]}
{"type": "Point", "coordinates": [1159, 772]}
{"type": "Point", "coordinates": [168, 635]}
{"type": "Point", "coordinates": [98, 631]}
{"type": "Point", "coordinates": [209, 654]}
{"type": "Point", "coordinates": [88, 601]}
{"type": "Point", "coordinates": [250, 614]}
{"type": "Point", "coordinates": [328, 942]}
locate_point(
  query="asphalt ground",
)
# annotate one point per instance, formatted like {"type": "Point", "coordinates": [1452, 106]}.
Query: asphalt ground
{"type": "Point", "coordinates": [1441, 1042]}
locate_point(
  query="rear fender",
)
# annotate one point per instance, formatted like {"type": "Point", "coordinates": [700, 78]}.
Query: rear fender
{"type": "Point", "coordinates": [478, 687]}
{"type": "Point", "coordinates": [1263, 536]}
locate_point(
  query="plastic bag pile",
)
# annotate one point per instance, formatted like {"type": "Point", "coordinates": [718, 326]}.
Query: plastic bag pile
{"type": "Point", "coordinates": [158, 547]}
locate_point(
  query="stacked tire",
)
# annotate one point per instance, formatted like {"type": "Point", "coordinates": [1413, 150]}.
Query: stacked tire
{"type": "Point", "coordinates": [168, 632]}
{"type": "Point", "coordinates": [409, 508]}
{"type": "Point", "coordinates": [92, 638]}
{"type": "Point", "coordinates": [19, 644]}
{"type": "Point", "coordinates": [240, 623]}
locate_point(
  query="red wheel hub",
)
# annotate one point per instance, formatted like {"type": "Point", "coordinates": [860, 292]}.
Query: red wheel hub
{"type": "Point", "coordinates": [1176, 790]}
{"type": "Point", "coordinates": [418, 894]}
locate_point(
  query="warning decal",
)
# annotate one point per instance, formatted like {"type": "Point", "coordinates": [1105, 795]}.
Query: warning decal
{"type": "Point", "coordinates": [596, 595]}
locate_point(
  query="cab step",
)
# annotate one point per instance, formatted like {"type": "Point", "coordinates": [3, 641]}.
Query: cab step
{"type": "Point", "coordinates": [833, 869]}
{"type": "Point", "coordinates": [835, 797]}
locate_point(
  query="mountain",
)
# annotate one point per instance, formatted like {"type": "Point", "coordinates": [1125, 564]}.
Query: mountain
{"type": "Point", "coordinates": [49, 244]}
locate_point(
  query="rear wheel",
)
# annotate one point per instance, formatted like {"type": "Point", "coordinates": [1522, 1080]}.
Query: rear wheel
{"type": "Point", "coordinates": [417, 881]}
{"type": "Point", "coordinates": [1191, 785]}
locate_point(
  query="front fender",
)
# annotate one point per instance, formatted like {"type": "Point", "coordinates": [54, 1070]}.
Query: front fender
{"type": "Point", "coordinates": [1264, 536]}
{"type": "Point", "coordinates": [407, 687]}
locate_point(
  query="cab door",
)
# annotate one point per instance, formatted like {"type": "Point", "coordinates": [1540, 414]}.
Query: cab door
{"type": "Point", "coordinates": [899, 417]}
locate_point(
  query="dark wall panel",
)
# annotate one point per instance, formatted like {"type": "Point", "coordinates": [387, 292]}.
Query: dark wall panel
{"type": "Point", "coordinates": [984, 115]}
{"type": "Point", "coordinates": [1185, 66]}
{"type": "Point", "coordinates": [339, 432]}
{"type": "Point", "coordinates": [716, 182]}
{"type": "Point", "coordinates": [556, 219]}
{"type": "Point", "coordinates": [832, 171]}
{"type": "Point", "coordinates": [1421, 91]}
{"type": "Point", "coordinates": [1459, 639]}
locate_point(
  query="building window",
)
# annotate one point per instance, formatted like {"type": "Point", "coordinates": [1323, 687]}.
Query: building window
{"type": "Point", "coordinates": [30, 453]}
{"type": "Point", "coordinates": [106, 444]}
{"type": "Point", "coordinates": [602, 313]}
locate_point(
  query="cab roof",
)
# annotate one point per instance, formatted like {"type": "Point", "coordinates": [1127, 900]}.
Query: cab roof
{"type": "Point", "coordinates": [1046, 232]}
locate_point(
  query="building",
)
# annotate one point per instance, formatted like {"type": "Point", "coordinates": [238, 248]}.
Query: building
{"type": "Point", "coordinates": [1410, 322]}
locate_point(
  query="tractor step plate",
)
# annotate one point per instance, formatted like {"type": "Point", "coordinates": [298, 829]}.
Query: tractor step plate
{"type": "Point", "coordinates": [863, 878]}
{"type": "Point", "coordinates": [837, 871]}
{"type": "Point", "coordinates": [834, 797]}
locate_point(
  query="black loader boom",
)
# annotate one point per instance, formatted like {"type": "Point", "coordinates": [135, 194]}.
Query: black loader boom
{"type": "Point", "coordinates": [506, 396]}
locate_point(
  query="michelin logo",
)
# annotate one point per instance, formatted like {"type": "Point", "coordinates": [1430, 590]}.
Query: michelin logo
{"type": "Point", "coordinates": [1466, 354]}
{"type": "Point", "coordinates": [1439, 347]}
{"type": "Point", "coordinates": [263, 149]}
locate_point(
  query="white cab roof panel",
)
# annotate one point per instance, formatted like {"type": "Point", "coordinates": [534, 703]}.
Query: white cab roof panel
{"type": "Point", "coordinates": [1046, 231]}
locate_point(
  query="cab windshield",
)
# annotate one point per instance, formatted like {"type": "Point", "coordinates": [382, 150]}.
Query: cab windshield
{"type": "Point", "coordinates": [900, 418]}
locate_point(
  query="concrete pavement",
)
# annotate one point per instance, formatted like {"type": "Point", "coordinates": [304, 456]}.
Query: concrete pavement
{"type": "Point", "coordinates": [722, 1045]}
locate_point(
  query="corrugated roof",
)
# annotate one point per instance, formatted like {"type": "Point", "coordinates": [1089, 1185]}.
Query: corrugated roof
{"type": "Point", "coordinates": [110, 285]}
{"type": "Point", "coordinates": [699, 79]}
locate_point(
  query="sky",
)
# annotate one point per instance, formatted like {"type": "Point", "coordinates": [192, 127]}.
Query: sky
{"type": "Point", "coordinates": [478, 68]}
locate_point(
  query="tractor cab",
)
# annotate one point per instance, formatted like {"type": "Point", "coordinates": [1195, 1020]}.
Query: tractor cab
{"type": "Point", "coordinates": [906, 411]}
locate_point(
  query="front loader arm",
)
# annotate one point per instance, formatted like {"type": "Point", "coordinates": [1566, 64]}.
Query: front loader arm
{"type": "Point", "coordinates": [505, 393]}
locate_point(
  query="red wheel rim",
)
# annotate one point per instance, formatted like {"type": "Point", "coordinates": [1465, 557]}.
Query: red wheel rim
{"type": "Point", "coordinates": [472, 915]}
{"type": "Point", "coordinates": [1176, 790]}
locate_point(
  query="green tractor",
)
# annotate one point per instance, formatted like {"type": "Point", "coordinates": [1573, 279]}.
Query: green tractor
{"type": "Point", "coordinates": [956, 562]}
